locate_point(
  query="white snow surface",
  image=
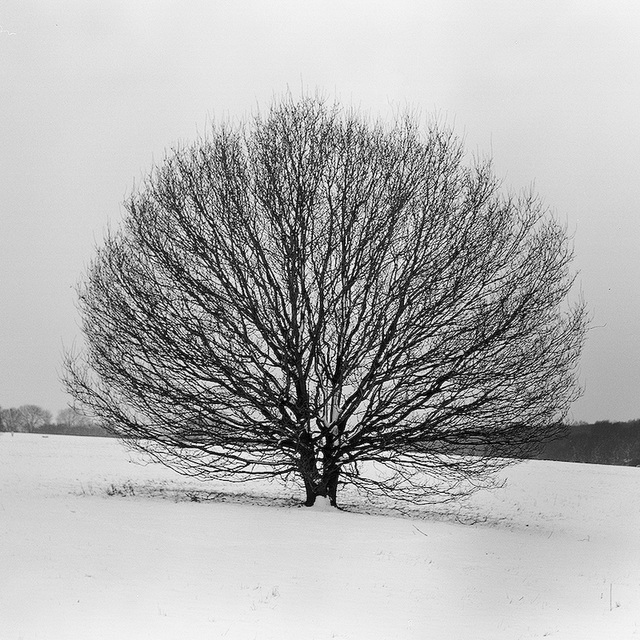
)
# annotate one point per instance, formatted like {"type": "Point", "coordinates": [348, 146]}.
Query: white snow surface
{"type": "Point", "coordinates": [94, 545]}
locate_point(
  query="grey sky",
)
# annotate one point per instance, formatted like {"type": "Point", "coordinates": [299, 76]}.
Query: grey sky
{"type": "Point", "coordinates": [91, 93]}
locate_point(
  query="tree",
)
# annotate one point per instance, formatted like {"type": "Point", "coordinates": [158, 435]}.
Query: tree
{"type": "Point", "coordinates": [34, 417]}
{"type": "Point", "coordinates": [315, 296]}
{"type": "Point", "coordinates": [11, 420]}
{"type": "Point", "coordinates": [70, 419]}
{"type": "Point", "coordinates": [27, 418]}
{"type": "Point", "coordinates": [71, 422]}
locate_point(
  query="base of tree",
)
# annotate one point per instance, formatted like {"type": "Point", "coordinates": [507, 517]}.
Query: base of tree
{"type": "Point", "coordinates": [315, 499]}
{"type": "Point", "coordinates": [323, 503]}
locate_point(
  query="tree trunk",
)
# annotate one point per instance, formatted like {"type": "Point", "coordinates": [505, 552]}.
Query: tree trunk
{"type": "Point", "coordinates": [332, 485]}
{"type": "Point", "coordinates": [325, 486]}
{"type": "Point", "coordinates": [316, 484]}
{"type": "Point", "coordinates": [311, 494]}
{"type": "Point", "coordinates": [313, 491]}
{"type": "Point", "coordinates": [331, 471]}
{"type": "Point", "coordinates": [308, 469]}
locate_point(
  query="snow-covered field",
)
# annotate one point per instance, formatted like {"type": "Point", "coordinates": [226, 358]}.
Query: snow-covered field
{"type": "Point", "coordinates": [95, 546]}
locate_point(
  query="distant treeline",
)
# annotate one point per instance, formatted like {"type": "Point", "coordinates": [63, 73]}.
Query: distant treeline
{"type": "Point", "coordinates": [603, 442]}
{"type": "Point", "coordinates": [30, 418]}
{"type": "Point", "coordinates": [73, 430]}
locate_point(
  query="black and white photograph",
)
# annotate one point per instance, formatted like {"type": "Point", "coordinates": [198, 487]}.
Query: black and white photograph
{"type": "Point", "coordinates": [319, 320]}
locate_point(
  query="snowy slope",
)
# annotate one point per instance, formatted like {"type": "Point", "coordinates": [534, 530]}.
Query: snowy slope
{"type": "Point", "coordinates": [554, 554]}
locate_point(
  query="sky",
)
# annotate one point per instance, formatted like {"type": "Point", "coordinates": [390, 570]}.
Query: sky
{"type": "Point", "coordinates": [93, 93]}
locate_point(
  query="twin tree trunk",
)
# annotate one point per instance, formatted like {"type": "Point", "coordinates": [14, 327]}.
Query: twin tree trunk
{"type": "Point", "coordinates": [323, 481]}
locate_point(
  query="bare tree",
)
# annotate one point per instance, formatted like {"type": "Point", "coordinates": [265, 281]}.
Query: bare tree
{"type": "Point", "coordinates": [70, 418]}
{"type": "Point", "coordinates": [33, 417]}
{"type": "Point", "coordinates": [315, 296]}
{"type": "Point", "coordinates": [10, 419]}
{"type": "Point", "coordinates": [13, 420]}
{"type": "Point", "coordinates": [27, 418]}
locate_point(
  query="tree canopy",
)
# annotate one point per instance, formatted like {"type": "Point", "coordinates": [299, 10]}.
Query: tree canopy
{"type": "Point", "coordinates": [27, 418]}
{"type": "Point", "coordinates": [313, 295]}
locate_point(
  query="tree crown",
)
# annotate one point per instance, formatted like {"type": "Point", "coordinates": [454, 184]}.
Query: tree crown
{"type": "Point", "coordinates": [313, 292]}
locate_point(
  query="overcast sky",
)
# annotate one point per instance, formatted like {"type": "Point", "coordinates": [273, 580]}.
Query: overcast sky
{"type": "Point", "coordinates": [91, 93]}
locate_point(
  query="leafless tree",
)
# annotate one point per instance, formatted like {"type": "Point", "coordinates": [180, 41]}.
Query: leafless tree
{"type": "Point", "coordinates": [27, 418]}
{"type": "Point", "coordinates": [33, 417]}
{"type": "Point", "coordinates": [11, 420]}
{"type": "Point", "coordinates": [70, 418]}
{"type": "Point", "coordinates": [316, 296]}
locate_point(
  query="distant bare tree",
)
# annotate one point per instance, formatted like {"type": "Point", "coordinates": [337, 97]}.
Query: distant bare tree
{"type": "Point", "coordinates": [12, 420]}
{"type": "Point", "coordinates": [70, 418]}
{"type": "Point", "coordinates": [27, 418]}
{"type": "Point", "coordinates": [316, 296]}
{"type": "Point", "coordinates": [33, 417]}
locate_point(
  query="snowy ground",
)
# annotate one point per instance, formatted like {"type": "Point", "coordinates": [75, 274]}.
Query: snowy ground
{"type": "Point", "coordinates": [554, 554]}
